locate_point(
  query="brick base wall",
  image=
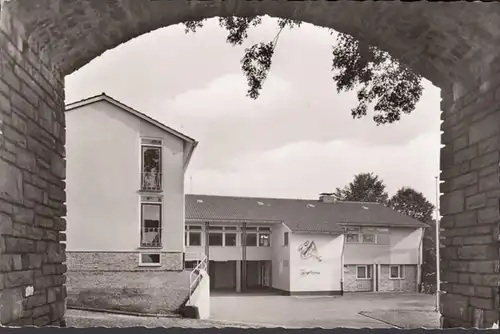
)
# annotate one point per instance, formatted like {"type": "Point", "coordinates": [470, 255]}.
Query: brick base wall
{"type": "Point", "coordinates": [115, 281]}
{"type": "Point", "coordinates": [352, 284]}
{"type": "Point", "coordinates": [386, 284]}
{"type": "Point", "coordinates": [406, 284]}
{"type": "Point", "coordinates": [121, 261]}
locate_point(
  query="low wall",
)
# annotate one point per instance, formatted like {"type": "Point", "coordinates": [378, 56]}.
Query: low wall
{"type": "Point", "coordinates": [114, 282]}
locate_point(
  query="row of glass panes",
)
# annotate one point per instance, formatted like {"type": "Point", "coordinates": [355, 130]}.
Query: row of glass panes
{"type": "Point", "coordinates": [227, 235]}
{"type": "Point", "coordinates": [367, 235]}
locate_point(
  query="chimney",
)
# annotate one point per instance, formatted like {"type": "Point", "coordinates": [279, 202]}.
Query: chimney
{"type": "Point", "coordinates": [327, 198]}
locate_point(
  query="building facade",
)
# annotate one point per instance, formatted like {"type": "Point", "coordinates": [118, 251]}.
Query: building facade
{"type": "Point", "coordinates": [125, 203]}
{"type": "Point", "coordinates": [303, 246]}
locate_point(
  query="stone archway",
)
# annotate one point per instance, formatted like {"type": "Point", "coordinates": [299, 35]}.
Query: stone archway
{"type": "Point", "coordinates": [455, 45]}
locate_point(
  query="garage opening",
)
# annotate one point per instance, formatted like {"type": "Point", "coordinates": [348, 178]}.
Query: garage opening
{"type": "Point", "coordinates": [222, 275]}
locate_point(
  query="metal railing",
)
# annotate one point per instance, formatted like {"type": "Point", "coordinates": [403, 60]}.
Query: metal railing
{"type": "Point", "coordinates": [151, 181]}
{"type": "Point", "coordinates": [151, 237]}
{"type": "Point", "coordinates": [195, 275]}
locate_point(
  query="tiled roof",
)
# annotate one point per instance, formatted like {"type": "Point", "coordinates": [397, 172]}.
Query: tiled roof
{"type": "Point", "coordinates": [297, 214]}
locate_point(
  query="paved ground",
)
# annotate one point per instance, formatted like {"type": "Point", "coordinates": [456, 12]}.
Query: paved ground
{"type": "Point", "coordinates": [83, 319]}
{"type": "Point", "coordinates": [355, 310]}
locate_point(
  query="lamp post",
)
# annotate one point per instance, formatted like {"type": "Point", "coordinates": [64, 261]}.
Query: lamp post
{"type": "Point", "coordinates": [438, 257]}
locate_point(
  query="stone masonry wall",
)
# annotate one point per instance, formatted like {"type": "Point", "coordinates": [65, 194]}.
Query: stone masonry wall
{"type": "Point", "coordinates": [353, 284]}
{"type": "Point", "coordinates": [32, 196]}
{"type": "Point", "coordinates": [407, 284]}
{"type": "Point", "coordinates": [115, 281]}
{"type": "Point", "coordinates": [470, 206]}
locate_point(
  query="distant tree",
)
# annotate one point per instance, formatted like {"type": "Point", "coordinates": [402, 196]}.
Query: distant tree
{"type": "Point", "coordinates": [366, 187]}
{"type": "Point", "coordinates": [412, 203]}
{"type": "Point", "coordinates": [381, 80]}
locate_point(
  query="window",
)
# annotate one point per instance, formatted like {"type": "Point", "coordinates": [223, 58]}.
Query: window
{"type": "Point", "coordinates": [257, 237]}
{"type": "Point", "coordinates": [285, 239]}
{"type": "Point", "coordinates": [149, 259]}
{"type": "Point", "coordinates": [222, 236]}
{"type": "Point", "coordinates": [364, 272]}
{"type": "Point", "coordinates": [264, 239]}
{"type": "Point", "coordinates": [368, 238]}
{"type": "Point", "coordinates": [151, 221]}
{"type": "Point", "coordinates": [352, 235]}
{"type": "Point", "coordinates": [190, 264]}
{"type": "Point", "coordinates": [229, 239]}
{"type": "Point", "coordinates": [215, 236]}
{"type": "Point", "coordinates": [193, 235]}
{"type": "Point", "coordinates": [396, 272]}
{"type": "Point", "coordinates": [250, 239]}
{"type": "Point", "coordinates": [151, 164]}
{"type": "Point", "coordinates": [286, 263]}
{"type": "Point", "coordinates": [366, 235]}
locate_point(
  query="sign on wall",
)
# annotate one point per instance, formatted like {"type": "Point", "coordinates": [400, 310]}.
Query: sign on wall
{"type": "Point", "coordinates": [308, 250]}
{"type": "Point", "coordinates": [308, 272]}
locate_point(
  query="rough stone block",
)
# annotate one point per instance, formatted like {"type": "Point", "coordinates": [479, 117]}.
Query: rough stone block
{"type": "Point", "coordinates": [488, 215]}
{"type": "Point", "coordinates": [463, 181]}
{"type": "Point", "coordinates": [482, 303]}
{"type": "Point", "coordinates": [484, 129]}
{"type": "Point", "coordinates": [477, 252]}
{"type": "Point", "coordinates": [11, 183]}
{"type": "Point", "coordinates": [11, 305]}
{"type": "Point", "coordinates": [452, 202]}
{"type": "Point", "coordinates": [18, 278]}
{"type": "Point", "coordinates": [476, 201]}
{"type": "Point", "coordinates": [489, 182]}
{"type": "Point", "coordinates": [467, 218]}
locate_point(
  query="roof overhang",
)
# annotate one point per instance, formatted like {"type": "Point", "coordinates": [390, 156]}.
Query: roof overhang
{"type": "Point", "coordinates": [381, 224]}
{"type": "Point", "coordinates": [233, 221]}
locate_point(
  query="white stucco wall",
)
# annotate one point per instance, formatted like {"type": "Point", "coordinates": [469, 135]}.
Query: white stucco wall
{"type": "Point", "coordinates": [201, 296]}
{"type": "Point", "coordinates": [403, 248]}
{"type": "Point", "coordinates": [280, 276]}
{"type": "Point", "coordinates": [103, 179]}
{"type": "Point", "coordinates": [311, 274]}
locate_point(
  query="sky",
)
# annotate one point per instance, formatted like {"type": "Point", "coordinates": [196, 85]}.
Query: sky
{"type": "Point", "coordinates": [297, 140]}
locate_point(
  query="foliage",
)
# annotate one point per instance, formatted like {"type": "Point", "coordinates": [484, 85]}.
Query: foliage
{"type": "Point", "coordinates": [366, 187]}
{"type": "Point", "coordinates": [412, 203]}
{"type": "Point", "coordinates": [380, 79]}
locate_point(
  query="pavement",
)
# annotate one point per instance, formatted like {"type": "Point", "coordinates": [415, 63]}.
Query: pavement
{"type": "Point", "coordinates": [355, 310]}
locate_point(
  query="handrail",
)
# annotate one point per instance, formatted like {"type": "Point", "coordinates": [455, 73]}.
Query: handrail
{"type": "Point", "coordinates": [195, 275]}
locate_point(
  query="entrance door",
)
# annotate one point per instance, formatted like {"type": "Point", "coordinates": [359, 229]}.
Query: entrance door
{"type": "Point", "coordinates": [264, 274]}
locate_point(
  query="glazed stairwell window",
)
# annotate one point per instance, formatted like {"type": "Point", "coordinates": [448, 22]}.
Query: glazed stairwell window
{"type": "Point", "coordinates": [151, 176]}
{"type": "Point", "coordinates": [151, 221]}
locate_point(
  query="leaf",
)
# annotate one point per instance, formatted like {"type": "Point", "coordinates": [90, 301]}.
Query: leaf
{"type": "Point", "coordinates": [256, 64]}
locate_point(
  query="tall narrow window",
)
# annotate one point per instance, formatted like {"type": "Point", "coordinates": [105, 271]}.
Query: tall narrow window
{"type": "Point", "coordinates": [151, 165]}
{"type": "Point", "coordinates": [264, 236]}
{"type": "Point", "coordinates": [285, 239]}
{"type": "Point", "coordinates": [151, 222]}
